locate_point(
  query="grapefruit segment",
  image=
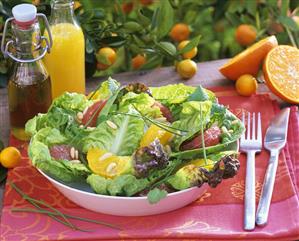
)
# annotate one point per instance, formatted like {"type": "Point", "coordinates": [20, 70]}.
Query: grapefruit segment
{"type": "Point", "coordinates": [281, 72]}
{"type": "Point", "coordinates": [248, 61]}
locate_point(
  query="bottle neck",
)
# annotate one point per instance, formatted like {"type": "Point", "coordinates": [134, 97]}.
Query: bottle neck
{"type": "Point", "coordinates": [27, 40]}
{"type": "Point", "coordinates": [62, 12]}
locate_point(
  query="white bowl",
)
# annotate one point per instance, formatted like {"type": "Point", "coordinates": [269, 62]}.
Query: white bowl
{"type": "Point", "coordinates": [127, 206]}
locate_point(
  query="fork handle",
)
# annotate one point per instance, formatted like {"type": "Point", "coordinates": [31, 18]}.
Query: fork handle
{"type": "Point", "coordinates": [249, 212]}
{"type": "Point", "coordinates": [267, 190]}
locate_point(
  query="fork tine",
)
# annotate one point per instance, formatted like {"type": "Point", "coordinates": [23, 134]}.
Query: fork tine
{"type": "Point", "coordinates": [253, 126]}
{"type": "Point", "coordinates": [259, 128]}
{"type": "Point", "coordinates": [248, 126]}
{"type": "Point", "coordinates": [243, 121]}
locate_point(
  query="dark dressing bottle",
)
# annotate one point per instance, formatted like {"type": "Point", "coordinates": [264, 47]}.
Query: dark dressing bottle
{"type": "Point", "coordinates": [29, 86]}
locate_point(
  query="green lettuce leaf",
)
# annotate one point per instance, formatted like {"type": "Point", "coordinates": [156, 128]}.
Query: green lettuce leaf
{"type": "Point", "coordinates": [121, 141]}
{"type": "Point", "coordinates": [49, 136]}
{"type": "Point", "coordinates": [38, 151]}
{"type": "Point", "coordinates": [201, 94]}
{"type": "Point", "coordinates": [33, 125]}
{"type": "Point", "coordinates": [107, 88]}
{"type": "Point", "coordinates": [231, 126]}
{"type": "Point", "coordinates": [193, 115]}
{"type": "Point", "coordinates": [71, 101]}
{"type": "Point", "coordinates": [63, 170]}
{"type": "Point", "coordinates": [125, 185]}
{"type": "Point", "coordinates": [172, 94]}
{"type": "Point", "coordinates": [98, 183]}
{"type": "Point", "coordinates": [143, 103]}
{"type": "Point", "coordinates": [40, 156]}
{"type": "Point", "coordinates": [179, 93]}
{"type": "Point", "coordinates": [155, 195]}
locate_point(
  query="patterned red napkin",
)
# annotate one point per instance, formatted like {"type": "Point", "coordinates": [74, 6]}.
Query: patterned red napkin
{"type": "Point", "coordinates": [217, 215]}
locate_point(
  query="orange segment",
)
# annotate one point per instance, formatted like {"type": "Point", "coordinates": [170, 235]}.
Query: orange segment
{"type": "Point", "coordinates": [248, 61]}
{"type": "Point", "coordinates": [108, 165]}
{"type": "Point", "coordinates": [207, 164]}
{"type": "Point", "coordinates": [281, 72]}
{"type": "Point", "coordinates": [154, 132]}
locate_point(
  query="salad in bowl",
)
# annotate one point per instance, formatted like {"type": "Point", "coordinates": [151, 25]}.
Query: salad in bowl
{"type": "Point", "coordinates": [136, 141]}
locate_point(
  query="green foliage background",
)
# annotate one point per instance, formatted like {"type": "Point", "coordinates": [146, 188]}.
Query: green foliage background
{"type": "Point", "coordinates": [146, 28]}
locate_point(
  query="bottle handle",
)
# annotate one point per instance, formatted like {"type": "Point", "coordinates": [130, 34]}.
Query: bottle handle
{"type": "Point", "coordinates": [49, 45]}
{"type": "Point", "coordinates": [5, 47]}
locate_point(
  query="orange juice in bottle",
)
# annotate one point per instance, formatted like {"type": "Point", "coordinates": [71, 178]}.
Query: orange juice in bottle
{"type": "Point", "coordinates": [66, 61]}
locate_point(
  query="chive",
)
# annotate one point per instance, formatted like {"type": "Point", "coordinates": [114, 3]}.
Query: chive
{"type": "Point", "coordinates": [202, 137]}
{"type": "Point", "coordinates": [157, 123]}
{"type": "Point", "coordinates": [55, 212]}
{"type": "Point", "coordinates": [44, 211]}
{"type": "Point", "coordinates": [35, 202]}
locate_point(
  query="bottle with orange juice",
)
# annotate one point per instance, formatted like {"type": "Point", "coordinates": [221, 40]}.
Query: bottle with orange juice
{"type": "Point", "coordinates": [66, 61]}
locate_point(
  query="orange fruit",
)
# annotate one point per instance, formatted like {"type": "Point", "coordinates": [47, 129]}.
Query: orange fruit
{"type": "Point", "coordinates": [190, 54]}
{"type": "Point", "coordinates": [281, 72]}
{"type": "Point", "coordinates": [77, 4]}
{"type": "Point", "coordinates": [10, 157]}
{"type": "Point", "coordinates": [187, 68]}
{"type": "Point", "coordinates": [248, 61]}
{"type": "Point", "coordinates": [207, 164]}
{"type": "Point", "coordinates": [154, 132]}
{"type": "Point", "coordinates": [108, 165]}
{"type": "Point", "coordinates": [138, 61]}
{"type": "Point", "coordinates": [246, 85]}
{"type": "Point", "coordinates": [36, 2]}
{"type": "Point", "coordinates": [146, 2]}
{"type": "Point", "coordinates": [107, 53]}
{"type": "Point", "coordinates": [180, 32]}
{"type": "Point", "coordinates": [127, 7]}
{"type": "Point", "coordinates": [245, 34]}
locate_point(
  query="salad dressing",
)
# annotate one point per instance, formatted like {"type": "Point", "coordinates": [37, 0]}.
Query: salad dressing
{"type": "Point", "coordinates": [29, 86]}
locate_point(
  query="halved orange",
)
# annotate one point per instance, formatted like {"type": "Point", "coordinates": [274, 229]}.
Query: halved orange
{"type": "Point", "coordinates": [281, 72]}
{"type": "Point", "coordinates": [248, 61]}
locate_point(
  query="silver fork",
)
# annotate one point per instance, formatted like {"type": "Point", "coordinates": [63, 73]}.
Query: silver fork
{"type": "Point", "coordinates": [251, 144]}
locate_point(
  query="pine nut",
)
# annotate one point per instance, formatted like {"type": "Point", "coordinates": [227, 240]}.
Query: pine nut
{"type": "Point", "coordinates": [235, 122]}
{"type": "Point", "coordinates": [161, 132]}
{"type": "Point", "coordinates": [167, 149]}
{"type": "Point", "coordinates": [80, 116]}
{"type": "Point", "coordinates": [72, 152]}
{"type": "Point", "coordinates": [75, 161]}
{"type": "Point", "coordinates": [161, 119]}
{"type": "Point", "coordinates": [111, 168]}
{"type": "Point", "coordinates": [76, 154]}
{"type": "Point", "coordinates": [224, 129]}
{"type": "Point", "coordinates": [111, 124]}
{"type": "Point", "coordinates": [81, 126]}
{"type": "Point", "coordinates": [105, 156]}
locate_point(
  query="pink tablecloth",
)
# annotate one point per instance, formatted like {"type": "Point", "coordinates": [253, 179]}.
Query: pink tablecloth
{"type": "Point", "coordinates": [217, 215]}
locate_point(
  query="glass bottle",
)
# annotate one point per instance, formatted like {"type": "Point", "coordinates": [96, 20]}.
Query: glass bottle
{"type": "Point", "coordinates": [66, 62]}
{"type": "Point", "coordinates": [29, 86]}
